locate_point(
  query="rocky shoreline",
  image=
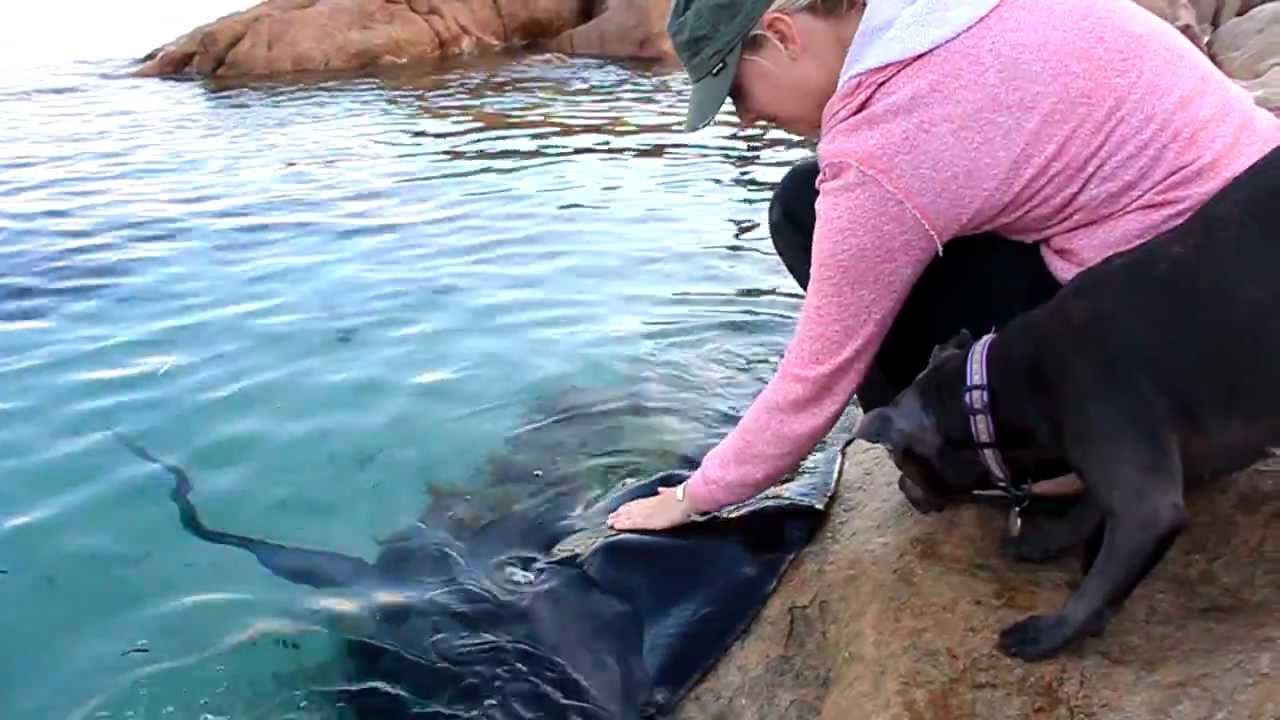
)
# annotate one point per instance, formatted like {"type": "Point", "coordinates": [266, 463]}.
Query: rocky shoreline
{"type": "Point", "coordinates": [279, 37]}
{"type": "Point", "coordinates": [893, 615]}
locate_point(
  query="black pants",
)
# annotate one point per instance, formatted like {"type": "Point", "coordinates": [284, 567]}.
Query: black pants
{"type": "Point", "coordinates": [979, 284]}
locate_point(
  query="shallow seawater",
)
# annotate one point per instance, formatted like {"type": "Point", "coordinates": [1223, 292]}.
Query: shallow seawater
{"type": "Point", "coordinates": [324, 297]}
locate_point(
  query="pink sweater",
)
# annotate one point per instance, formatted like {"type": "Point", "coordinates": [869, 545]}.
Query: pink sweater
{"type": "Point", "coordinates": [1086, 126]}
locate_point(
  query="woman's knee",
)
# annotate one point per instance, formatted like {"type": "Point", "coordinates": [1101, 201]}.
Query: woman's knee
{"type": "Point", "coordinates": [792, 216]}
{"type": "Point", "coordinates": [980, 283]}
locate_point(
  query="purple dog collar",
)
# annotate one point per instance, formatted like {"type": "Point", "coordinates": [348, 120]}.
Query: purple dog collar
{"type": "Point", "coordinates": [977, 400]}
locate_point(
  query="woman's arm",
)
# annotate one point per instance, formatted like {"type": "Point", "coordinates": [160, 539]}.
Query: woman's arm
{"type": "Point", "coordinates": [870, 245]}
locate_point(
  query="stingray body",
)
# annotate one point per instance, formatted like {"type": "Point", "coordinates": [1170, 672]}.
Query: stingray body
{"type": "Point", "coordinates": [534, 609]}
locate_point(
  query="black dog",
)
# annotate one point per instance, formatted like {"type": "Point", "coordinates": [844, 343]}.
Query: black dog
{"type": "Point", "coordinates": [1156, 368]}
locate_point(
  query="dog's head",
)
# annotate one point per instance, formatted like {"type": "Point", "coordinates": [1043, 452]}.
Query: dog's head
{"type": "Point", "coordinates": [938, 464]}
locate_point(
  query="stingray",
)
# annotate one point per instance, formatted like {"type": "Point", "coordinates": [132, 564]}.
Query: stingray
{"type": "Point", "coordinates": [535, 609]}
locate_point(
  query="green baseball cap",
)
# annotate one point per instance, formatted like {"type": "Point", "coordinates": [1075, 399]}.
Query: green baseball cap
{"type": "Point", "coordinates": [707, 36]}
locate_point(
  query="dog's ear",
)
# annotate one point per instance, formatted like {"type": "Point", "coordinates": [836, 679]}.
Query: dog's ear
{"type": "Point", "coordinates": [882, 427]}
{"type": "Point", "coordinates": [938, 352]}
{"type": "Point", "coordinates": [961, 341]}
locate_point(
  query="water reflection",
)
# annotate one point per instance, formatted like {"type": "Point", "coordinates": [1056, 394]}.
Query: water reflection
{"type": "Point", "coordinates": [333, 301]}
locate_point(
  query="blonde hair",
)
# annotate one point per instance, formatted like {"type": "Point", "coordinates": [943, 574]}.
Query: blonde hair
{"type": "Point", "coordinates": [827, 8]}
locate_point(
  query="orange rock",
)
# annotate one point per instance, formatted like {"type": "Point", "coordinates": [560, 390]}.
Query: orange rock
{"type": "Point", "coordinates": [283, 36]}
{"type": "Point", "coordinates": [625, 28]}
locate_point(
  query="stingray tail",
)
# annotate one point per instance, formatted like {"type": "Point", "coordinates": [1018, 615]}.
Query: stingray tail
{"type": "Point", "coordinates": [316, 568]}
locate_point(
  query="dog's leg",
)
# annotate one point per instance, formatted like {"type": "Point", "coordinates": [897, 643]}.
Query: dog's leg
{"type": "Point", "coordinates": [1137, 482]}
{"type": "Point", "coordinates": [1092, 546]}
{"type": "Point", "coordinates": [1046, 538]}
{"type": "Point", "coordinates": [1089, 555]}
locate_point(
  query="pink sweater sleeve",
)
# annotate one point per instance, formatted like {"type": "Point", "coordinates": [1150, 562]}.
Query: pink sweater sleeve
{"type": "Point", "coordinates": [869, 248]}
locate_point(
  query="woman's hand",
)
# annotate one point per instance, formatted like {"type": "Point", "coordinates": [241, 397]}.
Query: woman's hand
{"type": "Point", "coordinates": [657, 512]}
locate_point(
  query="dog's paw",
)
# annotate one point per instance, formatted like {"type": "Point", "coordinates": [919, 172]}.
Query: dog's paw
{"type": "Point", "coordinates": [1037, 638]}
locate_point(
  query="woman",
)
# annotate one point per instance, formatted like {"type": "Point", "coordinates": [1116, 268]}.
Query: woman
{"type": "Point", "coordinates": [1028, 139]}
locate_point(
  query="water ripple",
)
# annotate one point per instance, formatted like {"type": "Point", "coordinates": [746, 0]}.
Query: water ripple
{"type": "Point", "coordinates": [326, 299]}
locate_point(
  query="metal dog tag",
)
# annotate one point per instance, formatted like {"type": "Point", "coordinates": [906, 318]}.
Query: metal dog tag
{"type": "Point", "coordinates": [1015, 521]}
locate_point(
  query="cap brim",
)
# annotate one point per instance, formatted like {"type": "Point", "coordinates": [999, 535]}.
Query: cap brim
{"type": "Point", "coordinates": [710, 92]}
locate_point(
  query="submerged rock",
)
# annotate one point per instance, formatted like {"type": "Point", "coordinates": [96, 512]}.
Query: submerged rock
{"type": "Point", "coordinates": [890, 615]}
{"type": "Point", "coordinates": [284, 36]}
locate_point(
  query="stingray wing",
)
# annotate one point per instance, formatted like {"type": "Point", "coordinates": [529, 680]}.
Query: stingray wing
{"type": "Point", "coordinates": [695, 588]}
{"type": "Point", "coordinates": [316, 568]}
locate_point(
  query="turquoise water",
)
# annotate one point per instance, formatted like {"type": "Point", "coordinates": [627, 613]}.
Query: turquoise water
{"type": "Point", "coordinates": [322, 298]}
